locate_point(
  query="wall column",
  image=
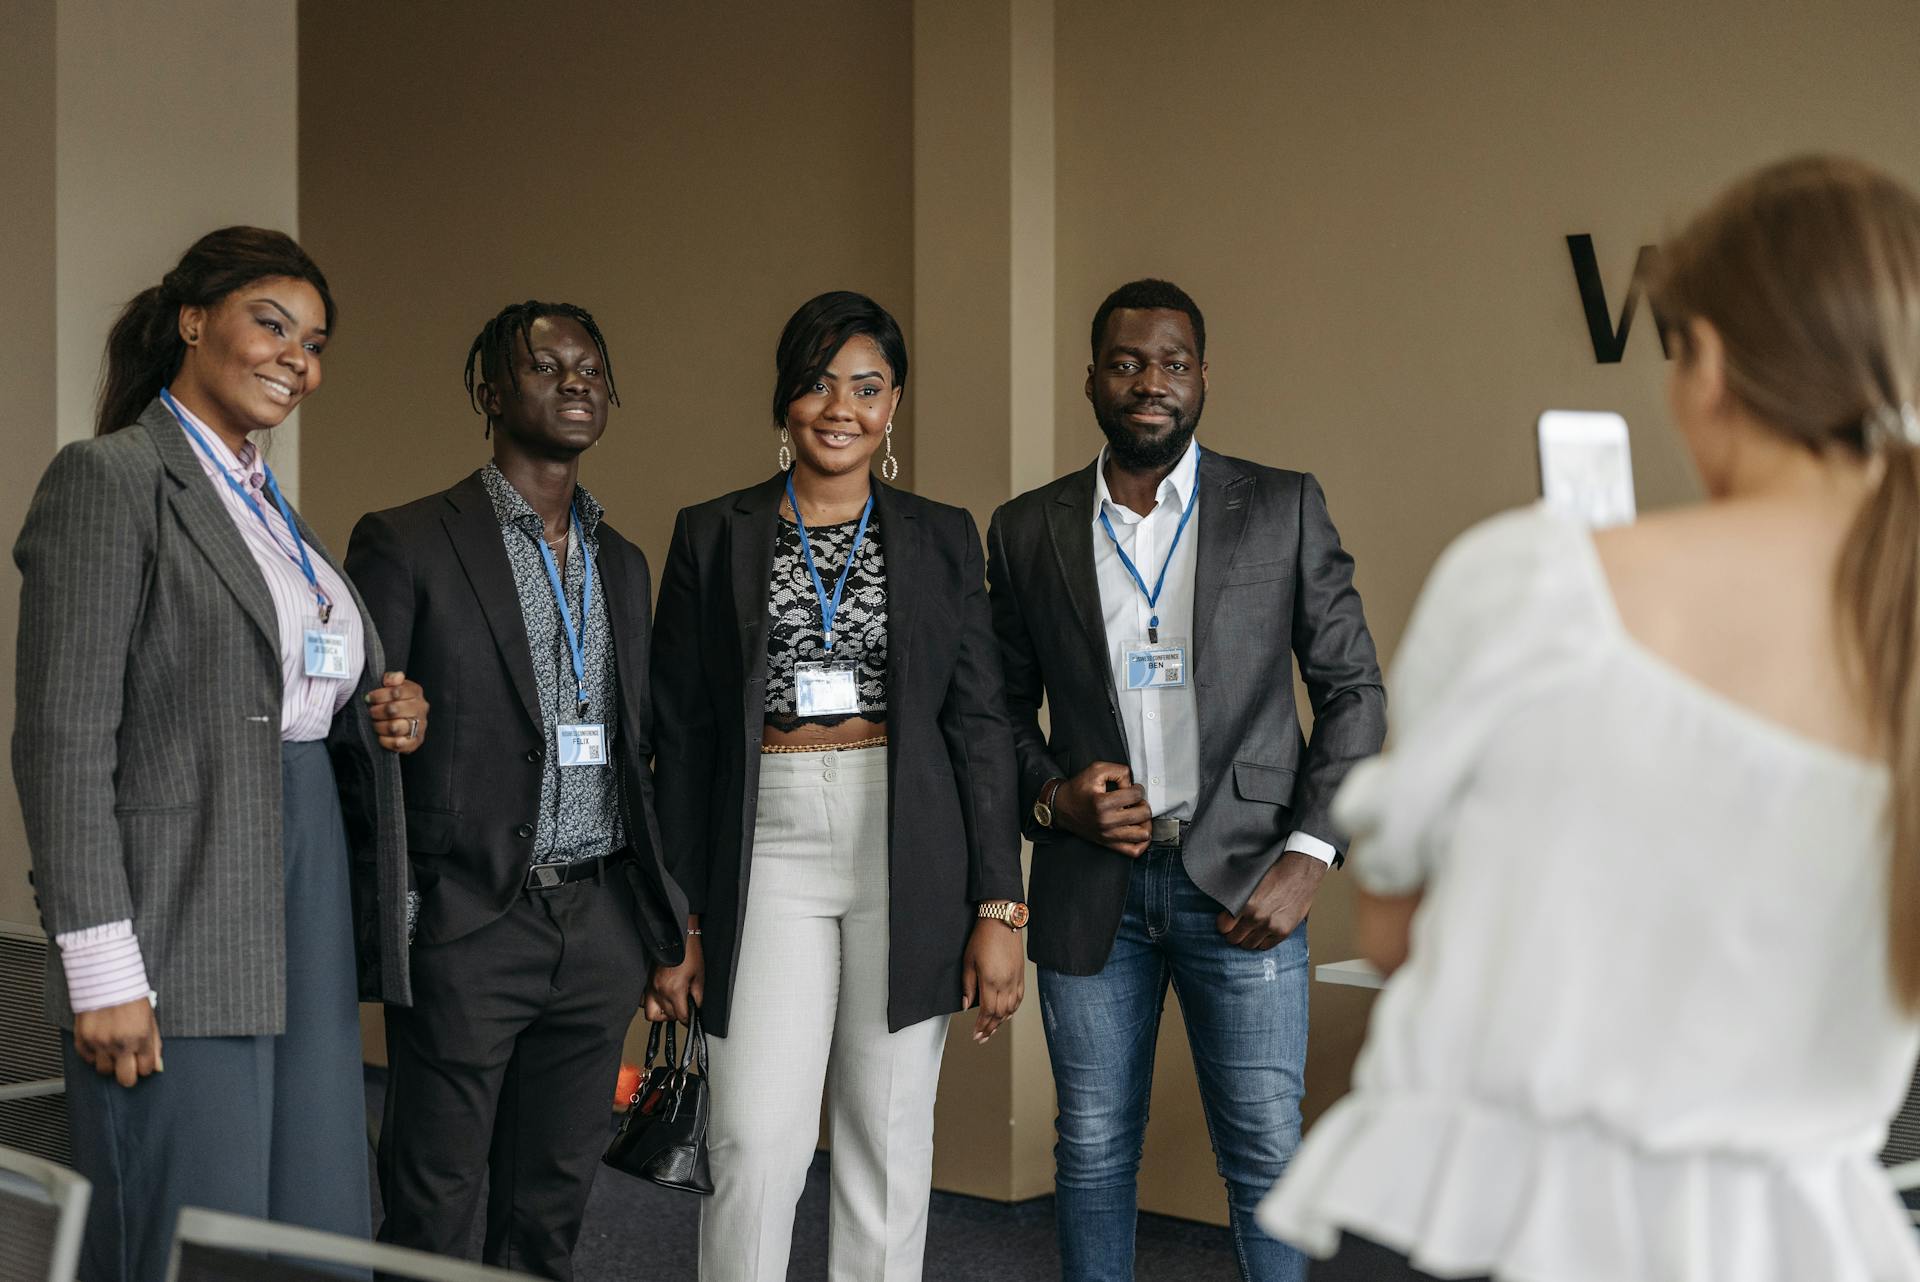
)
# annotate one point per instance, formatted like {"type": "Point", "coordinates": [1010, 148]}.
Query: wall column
{"type": "Point", "coordinates": [126, 146]}
{"type": "Point", "coordinates": [982, 387]}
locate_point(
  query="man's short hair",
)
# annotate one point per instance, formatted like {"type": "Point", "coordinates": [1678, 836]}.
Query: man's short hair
{"type": "Point", "coordinates": [1150, 294]}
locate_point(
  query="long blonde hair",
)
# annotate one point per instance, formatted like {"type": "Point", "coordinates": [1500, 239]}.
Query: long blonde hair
{"type": "Point", "coordinates": [1809, 270]}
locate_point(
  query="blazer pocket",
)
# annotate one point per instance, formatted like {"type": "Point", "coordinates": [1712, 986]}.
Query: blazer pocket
{"type": "Point", "coordinates": [1272, 784]}
{"type": "Point", "coordinates": [430, 832]}
{"type": "Point", "coordinates": [1262, 572]}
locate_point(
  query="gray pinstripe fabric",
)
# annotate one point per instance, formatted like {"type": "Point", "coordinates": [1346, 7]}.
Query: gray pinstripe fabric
{"type": "Point", "coordinates": [146, 745]}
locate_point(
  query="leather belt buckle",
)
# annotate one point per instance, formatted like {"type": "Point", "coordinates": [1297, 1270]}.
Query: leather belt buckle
{"type": "Point", "coordinates": [1166, 830]}
{"type": "Point", "coordinates": [546, 876]}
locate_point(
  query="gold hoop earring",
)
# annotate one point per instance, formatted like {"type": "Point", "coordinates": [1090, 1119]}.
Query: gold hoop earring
{"type": "Point", "coordinates": [786, 451]}
{"type": "Point", "coordinates": [889, 466]}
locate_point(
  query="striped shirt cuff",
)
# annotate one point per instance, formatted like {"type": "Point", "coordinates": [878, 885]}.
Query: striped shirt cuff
{"type": "Point", "coordinates": [103, 965]}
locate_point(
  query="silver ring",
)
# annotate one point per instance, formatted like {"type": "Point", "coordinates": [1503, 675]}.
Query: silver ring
{"type": "Point", "coordinates": [413, 727]}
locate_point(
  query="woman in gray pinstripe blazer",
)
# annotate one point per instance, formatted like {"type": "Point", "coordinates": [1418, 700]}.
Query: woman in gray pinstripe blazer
{"type": "Point", "coordinates": [198, 745]}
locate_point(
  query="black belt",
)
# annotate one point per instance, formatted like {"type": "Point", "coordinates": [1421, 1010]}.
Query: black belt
{"type": "Point", "coordinates": [549, 876]}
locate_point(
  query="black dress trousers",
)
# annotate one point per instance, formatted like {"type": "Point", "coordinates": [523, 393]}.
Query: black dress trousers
{"type": "Point", "coordinates": [506, 1063]}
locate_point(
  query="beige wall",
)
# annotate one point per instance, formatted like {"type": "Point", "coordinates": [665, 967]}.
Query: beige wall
{"type": "Point", "coordinates": [174, 119]}
{"type": "Point", "coordinates": [983, 242]}
{"type": "Point", "coordinates": [131, 129]}
{"type": "Point", "coordinates": [688, 173]}
{"type": "Point", "coordinates": [1369, 202]}
{"type": "Point", "coordinates": [28, 387]}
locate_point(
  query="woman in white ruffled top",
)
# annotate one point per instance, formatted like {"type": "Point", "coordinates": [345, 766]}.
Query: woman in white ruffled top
{"type": "Point", "coordinates": [1648, 839]}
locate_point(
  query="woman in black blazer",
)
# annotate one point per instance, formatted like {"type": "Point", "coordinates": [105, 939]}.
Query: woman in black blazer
{"type": "Point", "coordinates": [835, 786]}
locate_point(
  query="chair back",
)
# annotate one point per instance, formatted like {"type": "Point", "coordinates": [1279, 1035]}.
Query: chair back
{"type": "Point", "coordinates": [33, 1101]}
{"type": "Point", "coordinates": [213, 1246]}
{"type": "Point", "coordinates": [1903, 1132]}
{"type": "Point", "coordinates": [43, 1214]}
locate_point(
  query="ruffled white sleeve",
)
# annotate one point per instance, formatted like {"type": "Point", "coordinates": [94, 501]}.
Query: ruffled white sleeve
{"type": "Point", "coordinates": [1461, 658]}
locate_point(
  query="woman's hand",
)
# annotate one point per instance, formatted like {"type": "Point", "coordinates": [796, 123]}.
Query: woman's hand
{"type": "Point", "coordinates": [994, 971]}
{"type": "Point", "coordinates": [673, 991]}
{"type": "Point", "coordinates": [122, 1042]}
{"type": "Point", "coordinates": [399, 712]}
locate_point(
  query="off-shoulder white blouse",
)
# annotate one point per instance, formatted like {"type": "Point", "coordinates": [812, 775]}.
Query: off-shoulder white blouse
{"type": "Point", "coordinates": [1645, 1032]}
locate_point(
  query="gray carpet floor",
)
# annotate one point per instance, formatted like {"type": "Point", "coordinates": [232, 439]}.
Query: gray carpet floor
{"type": "Point", "coordinates": [638, 1232]}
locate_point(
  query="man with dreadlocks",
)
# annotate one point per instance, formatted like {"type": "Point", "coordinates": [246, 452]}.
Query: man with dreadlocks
{"type": "Point", "coordinates": [542, 896]}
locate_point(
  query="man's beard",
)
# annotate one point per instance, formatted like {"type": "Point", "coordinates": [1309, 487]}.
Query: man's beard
{"type": "Point", "coordinates": [1132, 454]}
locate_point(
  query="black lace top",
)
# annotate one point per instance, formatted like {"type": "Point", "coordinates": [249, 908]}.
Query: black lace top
{"type": "Point", "coordinates": [793, 619]}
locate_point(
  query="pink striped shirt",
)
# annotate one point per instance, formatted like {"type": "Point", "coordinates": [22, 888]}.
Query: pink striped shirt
{"type": "Point", "coordinates": [307, 704]}
{"type": "Point", "coordinates": [103, 964]}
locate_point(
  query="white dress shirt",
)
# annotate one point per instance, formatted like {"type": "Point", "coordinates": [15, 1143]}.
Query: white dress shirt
{"type": "Point", "coordinates": [1162, 727]}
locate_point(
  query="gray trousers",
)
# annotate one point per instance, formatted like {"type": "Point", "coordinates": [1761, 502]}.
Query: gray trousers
{"type": "Point", "coordinates": [267, 1126]}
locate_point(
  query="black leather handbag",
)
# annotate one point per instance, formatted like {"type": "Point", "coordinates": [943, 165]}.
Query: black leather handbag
{"type": "Point", "coordinates": [663, 1137]}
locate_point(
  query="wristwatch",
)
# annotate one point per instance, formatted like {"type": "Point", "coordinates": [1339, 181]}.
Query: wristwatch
{"type": "Point", "coordinates": [1009, 911]}
{"type": "Point", "coordinates": [1043, 804]}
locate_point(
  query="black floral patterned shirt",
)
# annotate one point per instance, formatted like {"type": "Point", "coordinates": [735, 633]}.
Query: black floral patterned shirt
{"type": "Point", "coordinates": [580, 812]}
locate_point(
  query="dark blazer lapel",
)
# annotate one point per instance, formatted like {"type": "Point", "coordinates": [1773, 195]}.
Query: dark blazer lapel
{"type": "Point", "coordinates": [475, 533]}
{"type": "Point", "coordinates": [616, 583]}
{"type": "Point", "coordinates": [1225, 493]}
{"type": "Point", "coordinates": [901, 535]}
{"type": "Point", "coordinates": [1070, 524]}
{"type": "Point", "coordinates": [204, 516]}
{"type": "Point", "coordinates": [750, 557]}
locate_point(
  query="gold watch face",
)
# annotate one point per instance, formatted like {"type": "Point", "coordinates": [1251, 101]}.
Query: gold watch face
{"type": "Point", "coordinates": [1017, 916]}
{"type": "Point", "coordinates": [1043, 814]}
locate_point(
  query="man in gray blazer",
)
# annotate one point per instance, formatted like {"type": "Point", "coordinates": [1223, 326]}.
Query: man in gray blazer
{"type": "Point", "coordinates": [1157, 600]}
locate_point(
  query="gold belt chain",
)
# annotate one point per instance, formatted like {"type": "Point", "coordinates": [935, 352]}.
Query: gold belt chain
{"type": "Point", "coordinates": [877, 741]}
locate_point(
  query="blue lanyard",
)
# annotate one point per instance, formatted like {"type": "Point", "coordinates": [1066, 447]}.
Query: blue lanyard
{"type": "Point", "coordinates": [576, 639]}
{"type": "Point", "coordinates": [273, 488]}
{"type": "Point", "coordinates": [828, 607]}
{"type": "Point", "coordinates": [1153, 596]}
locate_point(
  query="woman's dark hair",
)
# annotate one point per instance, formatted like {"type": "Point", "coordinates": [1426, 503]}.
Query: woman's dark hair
{"type": "Point", "coordinates": [816, 333]}
{"type": "Point", "coordinates": [144, 348]}
{"type": "Point", "coordinates": [491, 356]}
{"type": "Point", "coordinates": [1150, 295]}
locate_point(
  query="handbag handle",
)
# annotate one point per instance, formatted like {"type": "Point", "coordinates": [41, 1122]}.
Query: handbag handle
{"type": "Point", "coordinates": [696, 1052]}
{"type": "Point", "coordinates": [653, 1044]}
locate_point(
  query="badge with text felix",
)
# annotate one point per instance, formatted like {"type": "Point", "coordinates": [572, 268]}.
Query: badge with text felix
{"type": "Point", "coordinates": [1157, 665]}
{"type": "Point", "coordinates": [583, 744]}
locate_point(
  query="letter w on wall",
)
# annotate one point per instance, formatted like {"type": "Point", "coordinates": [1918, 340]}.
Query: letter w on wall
{"type": "Point", "coordinates": [1610, 340]}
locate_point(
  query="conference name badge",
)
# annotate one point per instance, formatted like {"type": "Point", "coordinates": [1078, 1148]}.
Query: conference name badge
{"type": "Point", "coordinates": [825, 689]}
{"type": "Point", "coordinates": [326, 651]}
{"type": "Point", "coordinates": [1156, 665]}
{"type": "Point", "coordinates": [583, 744]}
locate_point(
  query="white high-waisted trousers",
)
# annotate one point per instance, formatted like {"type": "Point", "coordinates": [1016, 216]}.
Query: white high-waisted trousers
{"type": "Point", "coordinates": [810, 1011]}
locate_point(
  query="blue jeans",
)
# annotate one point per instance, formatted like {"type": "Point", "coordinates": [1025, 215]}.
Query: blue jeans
{"type": "Point", "coordinates": [1246, 1015]}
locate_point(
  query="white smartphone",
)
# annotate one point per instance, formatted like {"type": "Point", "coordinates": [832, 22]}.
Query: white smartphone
{"type": "Point", "coordinates": [1586, 469]}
